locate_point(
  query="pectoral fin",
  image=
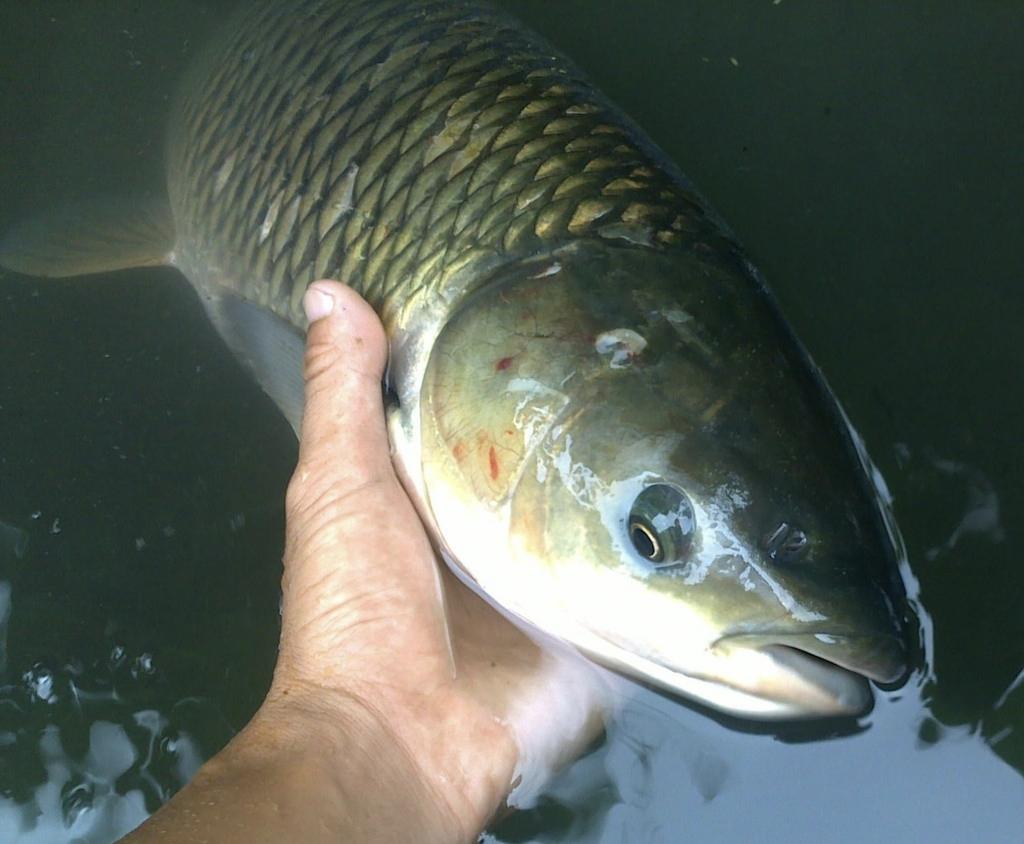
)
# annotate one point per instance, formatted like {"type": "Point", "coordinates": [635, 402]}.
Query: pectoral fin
{"type": "Point", "coordinates": [101, 235]}
{"type": "Point", "coordinates": [268, 346]}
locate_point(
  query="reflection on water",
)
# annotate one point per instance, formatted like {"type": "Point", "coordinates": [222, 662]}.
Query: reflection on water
{"type": "Point", "coordinates": [91, 758]}
{"type": "Point", "coordinates": [981, 513]}
{"type": "Point", "coordinates": [90, 749]}
{"type": "Point", "coordinates": [673, 779]}
{"type": "Point", "coordinates": [860, 152]}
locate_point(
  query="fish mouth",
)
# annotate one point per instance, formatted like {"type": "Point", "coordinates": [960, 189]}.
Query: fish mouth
{"type": "Point", "coordinates": [810, 674]}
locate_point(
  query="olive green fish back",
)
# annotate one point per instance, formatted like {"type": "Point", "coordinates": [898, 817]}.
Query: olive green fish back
{"type": "Point", "coordinates": [398, 145]}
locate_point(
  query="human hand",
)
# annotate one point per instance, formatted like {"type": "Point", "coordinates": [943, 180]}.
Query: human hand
{"type": "Point", "coordinates": [363, 617]}
{"type": "Point", "coordinates": [402, 707]}
{"type": "Point", "coordinates": [369, 615]}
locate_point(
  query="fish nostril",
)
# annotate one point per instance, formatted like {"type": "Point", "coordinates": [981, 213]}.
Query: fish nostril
{"type": "Point", "coordinates": [774, 537]}
{"type": "Point", "coordinates": [793, 548]}
{"type": "Point", "coordinates": [785, 543]}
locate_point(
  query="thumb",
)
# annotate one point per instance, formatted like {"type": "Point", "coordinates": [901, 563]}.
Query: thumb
{"type": "Point", "coordinates": [357, 560]}
{"type": "Point", "coordinates": [346, 351]}
{"type": "Point", "coordinates": [343, 450]}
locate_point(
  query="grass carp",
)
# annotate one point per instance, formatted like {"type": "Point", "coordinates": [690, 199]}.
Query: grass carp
{"type": "Point", "coordinates": [597, 406]}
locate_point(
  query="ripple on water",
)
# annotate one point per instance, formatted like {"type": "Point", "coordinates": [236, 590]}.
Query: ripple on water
{"type": "Point", "coordinates": [88, 753]}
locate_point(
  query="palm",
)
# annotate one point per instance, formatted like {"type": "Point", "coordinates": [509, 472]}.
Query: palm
{"type": "Point", "coordinates": [380, 627]}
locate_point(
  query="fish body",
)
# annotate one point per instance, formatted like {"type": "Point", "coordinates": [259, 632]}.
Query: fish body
{"type": "Point", "coordinates": [598, 408]}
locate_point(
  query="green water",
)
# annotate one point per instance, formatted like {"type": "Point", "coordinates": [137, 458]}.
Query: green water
{"type": "Point", "coordinates": [870, 158]}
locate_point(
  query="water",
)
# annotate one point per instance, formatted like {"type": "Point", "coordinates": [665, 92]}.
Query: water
{"type": "Point", "coordinates": [868, 156]}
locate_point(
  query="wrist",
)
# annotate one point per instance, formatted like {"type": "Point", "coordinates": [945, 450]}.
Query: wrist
{"type": "Point", "coordinates": [351, 768]}
{"type": "Point", "coordinates": [300, 773]}
{"type": "Point", "coordinates": [434, 763]}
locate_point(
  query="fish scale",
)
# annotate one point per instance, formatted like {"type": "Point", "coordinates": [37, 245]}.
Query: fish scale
{"type": "Point", "coordinates": [474, 143]}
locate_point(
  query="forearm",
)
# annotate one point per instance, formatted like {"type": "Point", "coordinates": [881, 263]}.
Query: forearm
{"type": "Point", "coordinates": [288, 778]}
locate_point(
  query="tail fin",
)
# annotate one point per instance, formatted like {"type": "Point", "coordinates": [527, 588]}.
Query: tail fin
{"type": "Point", "coordinates": [112, 233]}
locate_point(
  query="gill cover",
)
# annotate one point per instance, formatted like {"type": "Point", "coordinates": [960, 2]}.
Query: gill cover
{"type": "Point", "coordinates": [628, 450]}
{"type": "Point", "coordinates": [511, 370]}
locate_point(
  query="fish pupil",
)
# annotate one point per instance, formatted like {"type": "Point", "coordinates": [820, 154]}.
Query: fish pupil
{"type": "Point", "coordinates": [645, 542]}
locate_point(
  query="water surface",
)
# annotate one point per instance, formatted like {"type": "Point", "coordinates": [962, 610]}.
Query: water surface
{"type": "Point", "coordinates": [868, 156]}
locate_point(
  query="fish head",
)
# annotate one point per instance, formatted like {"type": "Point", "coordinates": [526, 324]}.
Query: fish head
{"type": "Point", "coordinates": [630, 451]}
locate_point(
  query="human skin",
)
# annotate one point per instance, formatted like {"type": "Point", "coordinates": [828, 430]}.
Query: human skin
{"type": "Point", "coordinates": [396, 712]}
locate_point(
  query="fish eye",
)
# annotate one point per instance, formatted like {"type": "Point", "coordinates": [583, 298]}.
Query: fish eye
{"type": "Point", "coordinates": [662, 525]}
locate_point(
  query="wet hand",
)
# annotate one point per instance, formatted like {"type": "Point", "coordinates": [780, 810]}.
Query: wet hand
{"type": "Point", "coordinates": [374, 629]}
{"type": "Point", "coordinates": [402, 708]}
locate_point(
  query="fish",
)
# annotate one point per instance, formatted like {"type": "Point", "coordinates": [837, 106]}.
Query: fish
{"type": "Point", "coordinates": [595, 402]}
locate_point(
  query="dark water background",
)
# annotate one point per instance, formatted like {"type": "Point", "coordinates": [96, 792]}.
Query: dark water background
{"type": "Point", "coordinates": [871, 158]}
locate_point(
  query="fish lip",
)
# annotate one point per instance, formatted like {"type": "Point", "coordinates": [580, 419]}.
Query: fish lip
{"type": "Point", "coordinates": [762, 681]}
{"type": "Point", "coordinates": [794, 676]}
{"type": "Point", "coordinates": [884, 661]}
{"type": "Point", "coordinates": [834, 691]}
{"type": "Point", "coordinates": [848, 691]}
